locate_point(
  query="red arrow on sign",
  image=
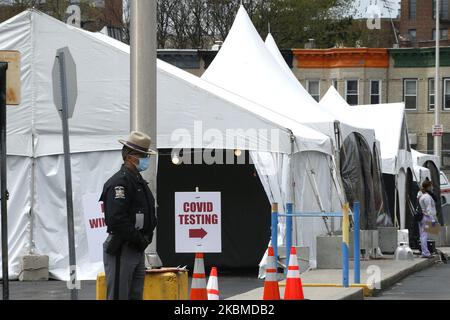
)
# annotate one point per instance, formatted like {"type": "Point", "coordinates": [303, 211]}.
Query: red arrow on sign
{"type": "Point", "coordinates": [197, 233]}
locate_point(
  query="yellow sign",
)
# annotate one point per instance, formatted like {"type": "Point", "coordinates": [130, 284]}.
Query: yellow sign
{"type": "Point", "coordinates": [12, 76]}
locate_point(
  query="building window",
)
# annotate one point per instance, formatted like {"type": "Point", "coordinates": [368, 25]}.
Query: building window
{"type": "Point", "coordinates": [412, 34]}
{"type": "Point", "coordinates": [445, 143]}
{"type": "Point", "coordinates": [313, 87]}
{"type": "Point", "coordinates": [431, 94]}
{"type": "Point", "coordinates": [334, 83]}
{"type": "Point", "coordinates": [375, 91]}
{"type": "Point", "coordinates": [443, 32]}
{"type": "Point", "coordinates": [443, 9]}
{"type": "Point", "coordinates": [446, 94]}
{"type": "Point", "coordinates": [412, 9]}
{"type": "Point", "coordinates": [410, 93]}
{"type": "Point", "coordinates": [351, 92]}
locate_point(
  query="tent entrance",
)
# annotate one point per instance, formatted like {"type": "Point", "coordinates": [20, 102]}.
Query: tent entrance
{"type": "Point", "coordinates": [356, 173]}
{"type": "Point", "coordinates": [245, 210]}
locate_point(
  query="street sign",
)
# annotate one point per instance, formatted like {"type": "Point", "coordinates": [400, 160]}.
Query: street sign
{"type": "Point", "coordinates": [438, 130]}
{"type": "Point", "coordinates": [198, 221]}
{"type": "Point", "coordinates": [65, 98]}
{"type": "Point", "coordinates": [64, 76]}
{"type": "Point", "coordinates": [13, 76]}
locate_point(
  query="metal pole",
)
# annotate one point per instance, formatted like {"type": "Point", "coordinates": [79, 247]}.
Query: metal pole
{"type": "Point", "coordinates": [437, 109]}
{"type": "Point", "coordinates": [4, 191]}
{"type": "Point", "coordinates": [68, 173]}
{"type": "Point", "coordinates": [275, 231]}
{"type": "Point", "coordinates": [143, 83]}
{"type": "Point", "coordinates": [345, 244]}
{"type": "Point", "coordinates": [289, 212]}
{"type": "Point", "coordinates": [356, 242]}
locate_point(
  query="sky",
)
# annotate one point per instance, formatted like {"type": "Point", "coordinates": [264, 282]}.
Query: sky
{"type": "Point", "coordinates": [362, 5]}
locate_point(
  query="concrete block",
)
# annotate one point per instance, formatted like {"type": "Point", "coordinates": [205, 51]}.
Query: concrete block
{"type": "Point", "coordinates": [329, 254]}
{"type": "Point", "coordinates": [329, 248]}
{"type": "Point", "coordinates": [388, 239]}
{"type": "Point", "coordinates": [302, 257]}
{"type": "Point", "coordinates": [34, 268]}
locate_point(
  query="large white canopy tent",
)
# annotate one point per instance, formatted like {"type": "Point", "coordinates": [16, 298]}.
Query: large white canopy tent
{"type": "Point", "coordinates": [389, 123]}
{"type": "Point", "coordinates": [359, 157]}
{"type": "Point", "coordinates": [37, 213]}
{"type": "Point", "coordinates": [246, 67]}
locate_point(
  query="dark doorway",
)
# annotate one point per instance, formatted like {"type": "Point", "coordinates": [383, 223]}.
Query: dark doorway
{"type": "Point", "coordinates": [245, 211]}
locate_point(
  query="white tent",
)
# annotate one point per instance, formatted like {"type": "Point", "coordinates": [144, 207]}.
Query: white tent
{"type": "Point", "coordinates": [389, 123]}
{"type": "Point", "coordinates": [35, 163]}
{"type": "Point", "coordinates": [246, 67]}
{"type": "Point", "coordinates": [420, 158]}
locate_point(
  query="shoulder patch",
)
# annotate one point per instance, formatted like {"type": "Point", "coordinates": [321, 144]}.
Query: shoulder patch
{"type": "Point", "coordinates": [120, 192]}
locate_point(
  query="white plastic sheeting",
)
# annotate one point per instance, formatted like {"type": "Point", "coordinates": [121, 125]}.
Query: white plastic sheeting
{"type": "Point", "coordinates": [89, 173]}
{"type": "Point", "coordinates": [102, 117]}
{"type": "Point", "coordinates": [19, 187]}
{"type": "Point", "coordinates": [312, 176]}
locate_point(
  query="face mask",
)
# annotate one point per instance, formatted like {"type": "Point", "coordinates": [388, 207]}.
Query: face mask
{"type": "Point", "coordinates": [144, 164]}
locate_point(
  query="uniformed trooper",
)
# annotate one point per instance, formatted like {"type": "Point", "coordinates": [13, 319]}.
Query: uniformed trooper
{"type": "Point", "coordinates": [130, 217]}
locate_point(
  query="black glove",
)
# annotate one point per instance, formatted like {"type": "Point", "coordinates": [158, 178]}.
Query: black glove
{"type": "Point", "coordinates": [140, 243]}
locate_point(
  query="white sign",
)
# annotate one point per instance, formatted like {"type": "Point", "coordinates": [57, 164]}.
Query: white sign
{"type": "Point", "coordinates": [94, 221]}
{"type": "Point", "coordinates": [438, 130]}
{"type": "Point", "coordinates": [198, 222]}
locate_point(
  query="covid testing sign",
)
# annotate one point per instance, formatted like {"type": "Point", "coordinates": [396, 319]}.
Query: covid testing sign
{"type": "Point", "coordinates": [198, 222]}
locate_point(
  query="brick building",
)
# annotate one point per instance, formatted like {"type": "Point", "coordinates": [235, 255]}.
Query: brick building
{"type": "Point", "coordinates": [417, 24]}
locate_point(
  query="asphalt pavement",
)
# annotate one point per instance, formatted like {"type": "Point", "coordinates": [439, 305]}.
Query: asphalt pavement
{"type": "Point", "coordinates": [57, 290]}
{"type": "Point", "coordinates": [430, 284]}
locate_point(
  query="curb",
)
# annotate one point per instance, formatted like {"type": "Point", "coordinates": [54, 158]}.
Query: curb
{"type": "Point", "coordinates": [392, 280]}
{"type": "Point", "coordinates": [358, 295]}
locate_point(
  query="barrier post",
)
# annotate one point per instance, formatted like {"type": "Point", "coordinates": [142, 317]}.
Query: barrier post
{"type": "Point", "coordinates": [345, 244]}
{"type": "Point", "coordinates": [289, 211]}
{"type": "Point", "coordinates": [275, 231]}
{"type": "Point", "coordinates": [356, 241]}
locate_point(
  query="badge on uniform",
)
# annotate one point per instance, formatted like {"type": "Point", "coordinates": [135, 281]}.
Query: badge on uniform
{"type": "Point", "coordinates": [120, 192]}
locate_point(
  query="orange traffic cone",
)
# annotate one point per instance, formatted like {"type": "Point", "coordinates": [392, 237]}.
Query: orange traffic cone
{"type": "Point", "coordinates": [294, 290]}
{"type": "Point", "coordinates": [271, 289]}
{"type": "Point", "coordinates": [198, 287]}
{"type": "Point", "coordinates": [213, 285]}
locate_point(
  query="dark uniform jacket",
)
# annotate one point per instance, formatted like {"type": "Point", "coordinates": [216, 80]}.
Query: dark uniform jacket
{"type": "Point", "coordinates": [125, 195]}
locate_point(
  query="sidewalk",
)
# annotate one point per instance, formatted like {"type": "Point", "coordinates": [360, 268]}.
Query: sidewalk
{"type": "Point", "coordinates": [391, 272]}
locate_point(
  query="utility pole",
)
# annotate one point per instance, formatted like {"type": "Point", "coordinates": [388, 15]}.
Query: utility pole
{"type": "Point", "coordinates": [437, 108]}
{"type": "Point", "coordinates": [143, 83]}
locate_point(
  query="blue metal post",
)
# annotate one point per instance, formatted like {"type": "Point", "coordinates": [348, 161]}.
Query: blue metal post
{"type": "Point", "coordinates": [275, 229]}
{"type": "Point", "coordinates": [289, 211]}
{"type": "Point", "coordinates": [356, 241]}
{"type": "Point", "coordinates": [345, 245]}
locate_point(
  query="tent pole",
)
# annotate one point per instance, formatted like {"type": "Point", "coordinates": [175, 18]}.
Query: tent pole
{"type": "Point", "coordinates": [32, 191]}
